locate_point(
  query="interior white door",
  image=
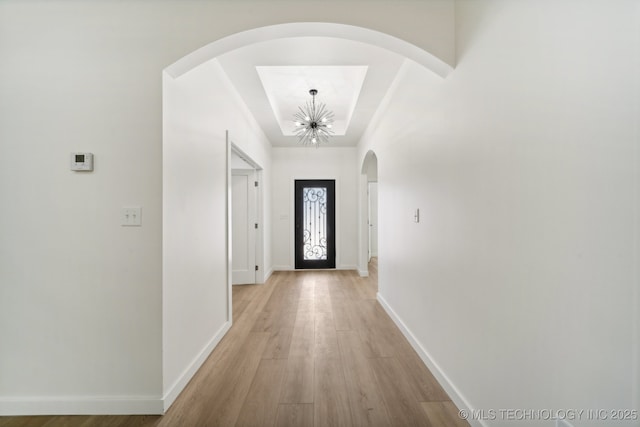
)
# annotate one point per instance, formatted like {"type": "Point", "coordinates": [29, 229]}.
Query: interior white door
{"type": "Point", "coordinates": [243, 227]}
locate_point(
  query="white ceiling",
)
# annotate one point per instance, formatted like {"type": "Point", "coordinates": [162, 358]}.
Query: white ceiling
{"type": "Point", "coordinates": [274, 78]}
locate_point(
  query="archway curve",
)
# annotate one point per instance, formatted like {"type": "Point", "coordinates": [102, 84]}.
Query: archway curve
{"type": "Point", "coordinates": [370, 162]}
{"type": "Point", "coordinates": [309, 29]}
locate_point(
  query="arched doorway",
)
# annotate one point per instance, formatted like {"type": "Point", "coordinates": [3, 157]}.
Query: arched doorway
{"type": "Point", "coordinates": [369, 216]}
{"type": "Point", "coordinates": [196, 188]}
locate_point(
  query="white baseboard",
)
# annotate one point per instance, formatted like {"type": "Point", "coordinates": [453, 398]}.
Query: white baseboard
{"type": "Point", "coordinates": [82, 405]}
{"type": "Point", "coordinates": [177, 387]}
{"type": "Point", "coordinates": [437, 372]}
{"type": "Point", "coordinates": [267, 275]}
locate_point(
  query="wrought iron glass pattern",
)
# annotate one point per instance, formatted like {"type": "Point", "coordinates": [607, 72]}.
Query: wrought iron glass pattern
{"type": "Point", "coordinates": [314, 201]}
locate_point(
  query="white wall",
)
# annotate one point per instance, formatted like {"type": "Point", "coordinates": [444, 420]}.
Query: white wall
{"type": "Point", "coordinates": [325, 162]}
{"type": "Point", "coordinates": [520, 282]}
{"type": "Point", "coordinates": [198, 109]}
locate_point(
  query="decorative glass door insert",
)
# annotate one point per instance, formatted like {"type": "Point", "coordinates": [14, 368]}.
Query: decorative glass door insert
{"type": "Point", "coordinates": [314, 201]}
{"type": "Point", "coordinates": [315, 220]}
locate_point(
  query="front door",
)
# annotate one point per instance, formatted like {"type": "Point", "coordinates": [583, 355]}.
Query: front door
{"type": "Point", "coordinates": [315, 224]}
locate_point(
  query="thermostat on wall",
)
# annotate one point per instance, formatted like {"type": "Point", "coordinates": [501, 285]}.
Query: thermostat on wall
{"type": "Point", "coordinates": [81, 161]}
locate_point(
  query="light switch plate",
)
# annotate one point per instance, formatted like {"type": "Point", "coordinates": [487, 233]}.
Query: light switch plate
{"type": "Point", "coordinates": [131, 216]}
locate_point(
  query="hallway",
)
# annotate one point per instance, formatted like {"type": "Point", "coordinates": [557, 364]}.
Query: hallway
{"type": "Point", "coordinates": [307, 348]}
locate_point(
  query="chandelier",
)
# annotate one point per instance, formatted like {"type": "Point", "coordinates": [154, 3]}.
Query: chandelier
{"type": "Point", "coordinates": [313, 123]}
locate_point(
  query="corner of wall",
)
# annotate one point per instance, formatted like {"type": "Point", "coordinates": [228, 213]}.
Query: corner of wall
{"type": "Point", "coordinates": [267, 275]}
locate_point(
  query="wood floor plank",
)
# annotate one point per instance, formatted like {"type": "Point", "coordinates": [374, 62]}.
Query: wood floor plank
{"type": "Point", "coordinates": [217, 401]}
{"type": "Point", "coordinates": [359, 287]}
{"type": "Point", "coordinates": [369, 284]}
{"type": "Point", "coordinates": [261, 404]}
{"type": "Point", "coordinates": [295, 415]}
{"type": "Point", "coordinates": [239, 306]}
{"type": "Point", "coordinates": [121, 421]}
{"type": "Point", "coordinates": [350, 289]}
{"type": "Point", "coordinates": [278, 317]}
{"type": "Point", "coordinates": [322, 297]}
{"type": "Point", "coordinates": [27, 421]}
{"type": "Point", "coordinates": [424, 384]}
{"type": "Point", "coordinates": [365, 289]}
{"type": "Point", "coordinates": [93, 420]}
{"type": "Point", "coordinates": [136, 421]}
{"type": "Point", "coordinates": [284, 297]}
{"type": "Point", "coordinates": [107, 421]}
{"type": "Point", "coordinates": [307, 289]}
{"type": "Point", "coordinates": [337, 290]}
{"type": "Point", "coordinates": [443, 414]}
{"type": "Point", "coordinates": [279, 344]}
{"type": "Point", "coordinates": [243, 292]}
{"type": "Point", "coordinates": [280, 309]}
{"type": "Point", "coordinates": [303, 337]}
{"type": "Point", "coordinates": [365, 397]}
{"type": "Point", "coordinates": [330, 406]}
{"type": "Point", "coordinates": [325, 339]}
{"type": "Point", "coordinates": [68, 421]}
{"type": "Point", "coordinates": [379, 338]}
{"type": "Point", "coordinates": [228, 346]}
{"type": "Point", "coordinates": [266, 321]}
{"type": "Point", "coordinates": [225, 404]}
{"type": "Point", "coordinates": [241, 297]}
{"type": "Point", "coordinates": [299, 381]}
{"type": "Point", "coordinates": [306, 306]}
{"type": "Point", "coordinates": [402, 405]}
{"type": "Point", "coordinates": [343, 316]}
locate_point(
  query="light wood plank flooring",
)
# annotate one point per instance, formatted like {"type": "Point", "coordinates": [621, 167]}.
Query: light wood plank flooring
{"type": "Point", "coordinates": [306, 349]}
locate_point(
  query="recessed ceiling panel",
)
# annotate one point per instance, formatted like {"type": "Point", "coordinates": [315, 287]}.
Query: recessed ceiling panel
{"type": "Point", "coordinates": [287, 88]}
{"type": "Point", "coordinates": [273, 79]}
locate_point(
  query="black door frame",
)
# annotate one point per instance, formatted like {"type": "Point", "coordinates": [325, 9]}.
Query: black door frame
{"type": "Point", "coordinates": [330, 262]}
